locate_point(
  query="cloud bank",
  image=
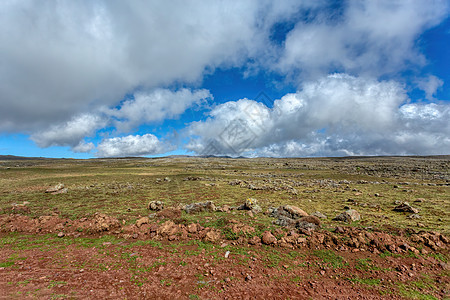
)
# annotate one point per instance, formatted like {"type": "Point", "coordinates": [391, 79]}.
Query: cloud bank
{"type": "Point", "coordinates": [336, 115]}
{"type": "Point", "coordinates": [70, 70]}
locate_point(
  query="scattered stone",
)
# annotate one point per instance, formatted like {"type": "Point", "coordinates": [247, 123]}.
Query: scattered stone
{"type": "Point", "coordinates": [167, 179]}
{"type": "Point", "coordinates": [286, 215]}
{"type": "Point", "coordinates": [192, 228]}
{"type": "Point", "coordinates": [57, 189]}
{"type": "Point", "coordinates": [319, 215]}
{"type": "Point", "coordinates": [141, 221]}
{"type": "Point", "coordinates": [155, 205]}
{"type": "Point", "coordinates": [207, 206]}
{"type": "Point", "coordinates": [255, 240]}
{"type": "Point", "coordinates": [212, 236]}
{"type": "Point", "coordinates": [268, 238]}
{"type": "Point", "coordinates": [252, 205]}
{"type": "Point", "coordinates": [227, 254]}
{"type": "Point", "coordinates": [348, 216]}
{"type": "Point", "coordinates": [405, 207]}
{"type": "Point", "coordinates": [20, 209]}
{"type": "Point", "coordinates": [414, 216]}
{"type": "Point", "coordinates": [307, 224]}
{"type": "Point", "coordinates": [419, 200]}
{"type": "Point", "coordinates": [168, 228]}
{"type": "Point", "coordinates": [339, 229]}
{"type": "Point", "coordinates": [61, 234]}
{"type": "Point", "coordinates": [294, 211]}
{"type": "Point", "coordinates": [102, 222]}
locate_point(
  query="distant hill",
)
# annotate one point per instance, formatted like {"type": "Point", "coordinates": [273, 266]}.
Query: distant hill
{"type": "Point", "coordinates": [13, 157]}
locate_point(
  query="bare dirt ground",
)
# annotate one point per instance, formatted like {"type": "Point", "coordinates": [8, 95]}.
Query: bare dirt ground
{"type": "Point", "coordinates": [97, 237]}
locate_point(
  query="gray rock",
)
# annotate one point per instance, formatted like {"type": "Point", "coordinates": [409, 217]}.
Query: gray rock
{"type": "Point", "coordinates": [414, 216]}
{"type": "Point", "coordinates": [348, 216]}
{"type": "Point", "coordinates": [405, 207]}
{"type": "Point", "coordinates": [200, 207]}
{"type": "Point", "coordinates": [57, 189]}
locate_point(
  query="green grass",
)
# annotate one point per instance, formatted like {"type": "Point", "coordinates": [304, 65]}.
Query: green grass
{"type": "Point", "coordinates": [330, 258]}
{"type": "Point", "coordinates": [365, 264]}
{"type": "Point", "coordinates": [366, 281]}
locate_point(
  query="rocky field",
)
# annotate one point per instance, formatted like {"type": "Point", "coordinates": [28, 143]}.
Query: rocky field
{"type": "Point", "coordinates": [219, 228]}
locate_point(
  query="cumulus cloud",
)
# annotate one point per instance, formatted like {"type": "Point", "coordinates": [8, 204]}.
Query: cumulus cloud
{"type": "Point", "coordinates": [62, 58]}
{"type": "Point", "coordinates": [132, 145]}
{"type": "Point", "coordinates": [67, 66]}
{"type": "Point", "coordinates": [336, 115]}
{"type": "Point", "coordinates": [144, 108]}
{"type": "Point", "coordinates": [367, 38]}
{"type": "Point", "coordinates": [156, 105]}
{"type": "Point", "coordinates": [70, 133]}
{"type": "Point", "coordinates": [430, 85]}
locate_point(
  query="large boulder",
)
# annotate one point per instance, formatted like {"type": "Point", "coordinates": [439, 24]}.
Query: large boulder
{"type": "Point", "coordinates": [348, 216]}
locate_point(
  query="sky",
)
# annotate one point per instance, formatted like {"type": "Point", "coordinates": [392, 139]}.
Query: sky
{"type": "Point", "coordinates": [111, 78]}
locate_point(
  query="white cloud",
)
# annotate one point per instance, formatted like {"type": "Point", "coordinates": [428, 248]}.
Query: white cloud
{"type": "Point", "coordinates": [66, 65]}
{"type": "Point", "coordinates": [369, 38]}
{"type": "Point", "coordinates": [336, 115]}
{"type": "Point", "coordinates": [70, 133]}
{"type": "Point", "coordinates": [83, 147]}
{"type": "Point", "coordinates": [430, 85]}
{"type": "Point", "coordinates": [63, 58]}
{"type": "Point", "coordinates": [132, 145]}
{"type": "Point", "coordinates": [156, 105]}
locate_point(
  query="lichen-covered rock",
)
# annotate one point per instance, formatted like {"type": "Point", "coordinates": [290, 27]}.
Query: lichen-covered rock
{"type": "Point", "coordinates": [155, 205]}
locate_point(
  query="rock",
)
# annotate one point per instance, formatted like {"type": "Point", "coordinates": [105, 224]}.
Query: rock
{"type": "Point", "coordinates": [254, 240]}
{"type": "Point", "coordinates": [168, 228]}
{"type": "Point", "coordinates": [57, 189]}
{"type": "Point", "coordinates": [339, 230]}
{"type": "Point", "coordinates": [405, 207]}
{"type": "Point", "coordinates": [419, 200]}
{"type": "Point", "coordinates": [284, 221]}
{"type": "Point", "coordinates": [252, 204]}
{"type": "Point", "coordinates": [141, 221]}
{"type": "Point", "coordinates": [212, 236]}
{"type": "Point", "coordinates": [414, 216]}
{"type": "Point", "coordinates": [20, 209]}
{"type": "Point", "coordinates": [167, 179]}
{"type": "Point", "coordinates": [61, 234]}
{"type": "Point", "coordinates": [200, 207]}
{"type": "Point", "coordinates": [319, 215]}
{"type": "Point", "coordinates": [155, 205]}
{"type": "Point", "coordinates": [308, 224]}
{"type": "Point", "coordinates": [294, 211]}
{"type": "Point", "coordinates": [104, 222]}
{"type": "Point", "coordinates": [192, 228]}
{"type": "Point", "coordinates": [348, 216]}
{"type": "Point", "coordinates": [268, 238]}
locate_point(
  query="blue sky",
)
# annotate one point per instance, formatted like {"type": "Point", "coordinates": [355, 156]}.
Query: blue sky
{"type": "Point", "coordinates": [252, 78]}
